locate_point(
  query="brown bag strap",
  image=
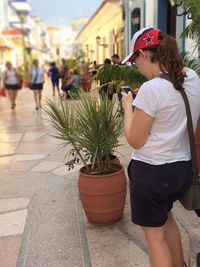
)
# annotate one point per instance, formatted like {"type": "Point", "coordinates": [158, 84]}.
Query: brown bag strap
{"type": "Point", "coordinates": [191, 136]}
{"type": "Point", "coordinates": [190, 131]}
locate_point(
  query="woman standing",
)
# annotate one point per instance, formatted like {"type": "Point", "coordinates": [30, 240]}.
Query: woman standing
{"type": "Point", "coordinates": [160, 169]}
{"type": "Point", "coordinates": [12, 83]}
{"type": "Point", "coordinates": [37, 80]}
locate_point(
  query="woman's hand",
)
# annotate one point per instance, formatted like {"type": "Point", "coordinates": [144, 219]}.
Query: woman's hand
{"type": "Point", "coordinates": [127, 100]}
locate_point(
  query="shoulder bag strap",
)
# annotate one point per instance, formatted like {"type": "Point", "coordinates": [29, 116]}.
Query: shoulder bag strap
{"type": "Point", "coordinates": [191, 136]}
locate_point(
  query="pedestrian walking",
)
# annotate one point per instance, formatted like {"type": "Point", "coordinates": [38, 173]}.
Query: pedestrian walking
{"type": "Point", "coordinates": [160, 169]}
{"type": "Point", "coordinates": [12, 82]}
{"type": "Point", "coordinates": [37, 80]}
{"type": "Point", "coordinates": [53, 72]}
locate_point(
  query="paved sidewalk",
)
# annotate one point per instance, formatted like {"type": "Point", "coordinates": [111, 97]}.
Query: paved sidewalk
{"type": "Point", "coordinates": [41, 220]}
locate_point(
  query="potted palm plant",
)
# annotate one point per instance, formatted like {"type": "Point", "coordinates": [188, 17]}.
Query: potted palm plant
{"type": "Point", "coordinates": [92, 129]}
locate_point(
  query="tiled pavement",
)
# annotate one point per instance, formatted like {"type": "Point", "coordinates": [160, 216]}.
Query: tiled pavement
{"type": "Point", "coordinates": [41, 221]}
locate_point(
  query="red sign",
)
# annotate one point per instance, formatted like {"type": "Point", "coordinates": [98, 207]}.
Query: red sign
{"type": "Point", "coordinates": [12, 32]}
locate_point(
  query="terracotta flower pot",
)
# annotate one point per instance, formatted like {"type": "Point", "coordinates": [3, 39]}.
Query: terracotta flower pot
{"type": "Point", "coordinates": [103, 196]}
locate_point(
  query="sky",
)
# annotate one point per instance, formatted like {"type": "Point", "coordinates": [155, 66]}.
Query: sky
{"type": "Point", "coordinates": [61, 12]}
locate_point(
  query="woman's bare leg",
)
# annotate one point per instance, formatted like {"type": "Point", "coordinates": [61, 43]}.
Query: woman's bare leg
{"type": "Point", "coordinates": [11, 98]}
{"type": "Point", "coordinates": [158, 249]}
{"type": "Point", "coordinates": [164, 244]}
{"type": "Point", "coordinates": [35, 93]}
{"type": "Point", "coordinates": [40, 97]}
{"type": "Point", "coordinates": [15, 92]}
{"type": "Point", "coordinates": [65, 94]}
{"type": "Point", "coordinates": [53, 90]}
{"type": "Point", "coordinates": [174, 241]}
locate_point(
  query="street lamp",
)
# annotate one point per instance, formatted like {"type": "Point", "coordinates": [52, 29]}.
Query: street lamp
{"type": "Point", "coordinates": [178, 4]}
{"type": "Point", "coordinates": [21, 18]}
{"type": "Point", "coordinates": [98, 41]}
{"type": "Point", "coordinates": [22, 9]}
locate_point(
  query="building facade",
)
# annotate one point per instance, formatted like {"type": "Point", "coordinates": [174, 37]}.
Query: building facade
{"type": "Point", "coordinates": [61, 39]}
{"type": "Point", "coordinates": [103, 34]}
{"type": "Point", "coordinates": [25, 35]}
{"type": "Point", "coordinates": [113, 24]}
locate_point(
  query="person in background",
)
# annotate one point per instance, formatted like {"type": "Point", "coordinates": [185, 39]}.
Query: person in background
{"type": "Point", "coordinates": [72, 83]}
{"type": "Point", "coordinates": [12, 82]}
{"type": "Point", "coordinates": [115, 59]}
{"type": "Point", "coordinates": [37, 81]}
{"type": "Point", "coordinates": [53, 72]}
{"type": "Point", "coordinates": [85, 75]}
{"type": "Point", "coordinates": [103, 91]}
{"type": "Point", "coordinates": [63, 71]}
{"type": "Point", "coordinates": [93, 68]}
{"type": "Point", "coordinates": [160, 169]}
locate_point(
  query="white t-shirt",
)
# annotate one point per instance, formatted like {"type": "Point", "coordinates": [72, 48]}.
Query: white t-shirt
{"type": "Point", "coordinates": [168, 139]}
{"type": "Point", "coordinates": [11, 77]}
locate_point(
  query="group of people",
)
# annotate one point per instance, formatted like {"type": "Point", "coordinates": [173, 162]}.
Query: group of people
{"type": "Point", "coordinates": [62, 78]}
{"type": "Point", "coordinates": [13, 82]}
{"type": "Point", "coordinates": [70, 79]}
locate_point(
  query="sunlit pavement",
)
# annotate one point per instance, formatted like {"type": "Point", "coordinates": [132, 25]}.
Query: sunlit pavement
{"type": "Point", "coordinates": [41, 220]}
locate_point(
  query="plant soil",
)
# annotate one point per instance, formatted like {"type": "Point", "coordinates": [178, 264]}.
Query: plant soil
{"type": "Point", "coordinates": [113, 168]}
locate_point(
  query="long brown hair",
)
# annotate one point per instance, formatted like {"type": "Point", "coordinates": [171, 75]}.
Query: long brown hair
{"type": "Point", "coordinates": [169, 59]}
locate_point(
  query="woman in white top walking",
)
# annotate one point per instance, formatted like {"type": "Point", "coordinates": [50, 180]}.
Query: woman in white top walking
{"type": "Point", "coordinates": [160, 169]}
{"type": "Point", "coordinates": [12, 83]}
{"type": "Point", "coordinates": [37, 80]}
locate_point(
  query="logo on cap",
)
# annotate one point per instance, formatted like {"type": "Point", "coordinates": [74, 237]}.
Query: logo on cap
{"type": "Point", "coordinates": [149, 39]}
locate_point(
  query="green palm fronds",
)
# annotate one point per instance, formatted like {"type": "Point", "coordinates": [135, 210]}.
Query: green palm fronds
{"type": "Point", "coordinates": [91, 128]}
{"type": "Point", "coordinates": [192, 7]}
{"type": "Point", "coordinates": [121, 75]}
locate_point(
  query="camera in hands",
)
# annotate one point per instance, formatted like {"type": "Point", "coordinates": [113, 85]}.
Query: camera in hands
{"type": "Point", "coordinates": [126, 89]}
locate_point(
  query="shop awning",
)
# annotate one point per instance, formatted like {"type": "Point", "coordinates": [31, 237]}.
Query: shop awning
{"type": "Point", "coordinates": [12, 32]}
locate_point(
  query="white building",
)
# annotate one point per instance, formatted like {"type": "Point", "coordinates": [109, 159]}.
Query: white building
{"type": "Point", "coordinates": [163, 14]}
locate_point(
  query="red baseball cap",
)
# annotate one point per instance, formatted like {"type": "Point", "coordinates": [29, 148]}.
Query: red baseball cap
{"type": "Point", "coordinates": [144, 38]}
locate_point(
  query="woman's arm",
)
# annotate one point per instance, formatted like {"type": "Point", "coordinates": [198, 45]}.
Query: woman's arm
{"type": "Point", "coordinates": [137, 124]}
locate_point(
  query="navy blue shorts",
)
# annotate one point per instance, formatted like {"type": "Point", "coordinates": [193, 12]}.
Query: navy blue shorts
{"type": "Point", "coordinates": [154, 188]}
{"type": "Point", "coordinates": [13, 86]}
{"type": "Point", "coordinates": [36, 86]}
{"type": "Point", "coordinates": [55, 82]}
